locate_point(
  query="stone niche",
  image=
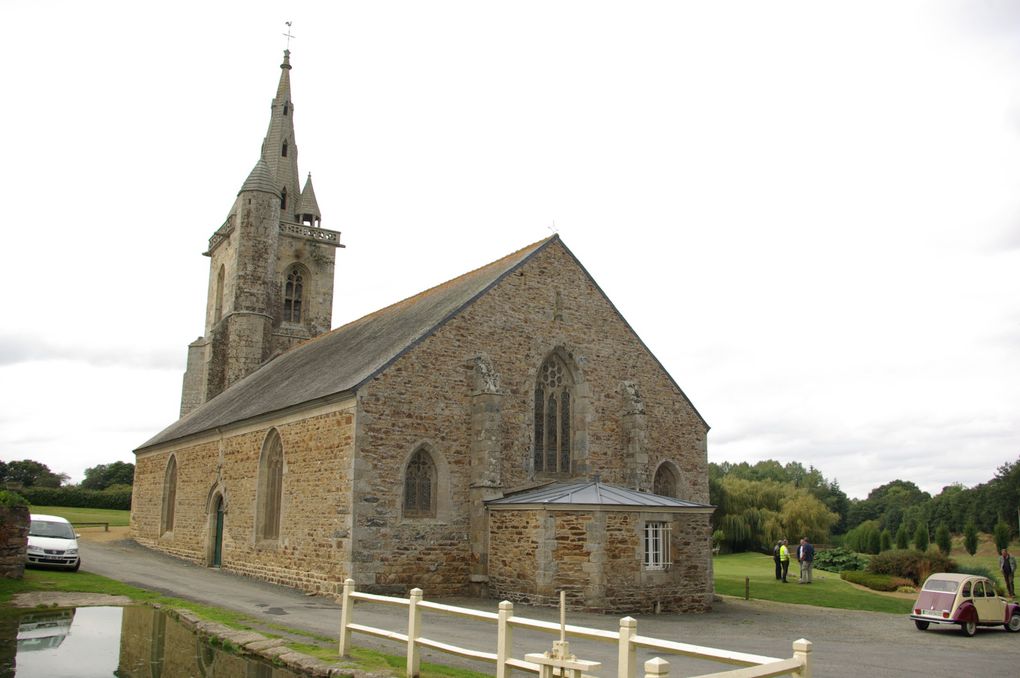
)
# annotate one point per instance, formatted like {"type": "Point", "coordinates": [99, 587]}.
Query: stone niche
{"type": "Point", "coordinates": [14, 524]}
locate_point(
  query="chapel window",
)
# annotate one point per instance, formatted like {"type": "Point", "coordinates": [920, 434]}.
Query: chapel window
{"type": "Point", "coordinates": [420, 486]}
{"type": "Point", "coordinates": [169, 496]}
{"type": "Point", "coordinates": [218, 308]}
{"type": "Point", "coordinates": [286, 107]}
{"type": "Point", "coordinates": [283, 198]}
{"type": "Point", "coordinates": [293, 295]}
{"type": "Point", "coordinates": [657, 552]}
{"type": "Point", "coordinates": [283, 152]}
{"type": "Point", "coordinates": [270, 488]}
{"type": "Point", "coordinates": [667, 481]}
{"type": "Point", "coordinates": [553, 417]}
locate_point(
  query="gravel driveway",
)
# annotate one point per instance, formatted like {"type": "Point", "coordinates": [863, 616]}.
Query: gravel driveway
{"type": "Point", "coordinates": [845, 643]}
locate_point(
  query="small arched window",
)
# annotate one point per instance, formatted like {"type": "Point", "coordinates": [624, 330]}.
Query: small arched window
{"type": "Point", "coordinates": [218, 308]}
{"type": "Point", "coordinates": [270, 488]}
{"type": "Point", "coordinates": [283, 151]}
{"type": "Point", "coordinates": [293, 294]}
{"type": "Point", "coordinates": [420, 486]}
{"type": "Point", "coordinates": [553, 415]}
{"type": "Point", "coordinates": [286, 108]}
{"type": "Point", "coordinates": [169, 496]}
{"type": "Point", "coordinates": [283, 198]}
{"type": "Point", "coordinates": [667, 481]}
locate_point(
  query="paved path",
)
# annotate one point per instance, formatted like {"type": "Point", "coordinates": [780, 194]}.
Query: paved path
{"type": "Point", "coordinates": [845, 643]}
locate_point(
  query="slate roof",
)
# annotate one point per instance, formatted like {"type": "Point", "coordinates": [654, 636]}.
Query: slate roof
{"type": "Point", "coordinates": [590, 493]}
{"type": "Point", "coordinates": [341, 360]}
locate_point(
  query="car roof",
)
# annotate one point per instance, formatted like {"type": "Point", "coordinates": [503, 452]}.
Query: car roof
{"type": "Point", "coordinates": [955, 576]}
{"type": "Point", "coordinates": [52, 519]}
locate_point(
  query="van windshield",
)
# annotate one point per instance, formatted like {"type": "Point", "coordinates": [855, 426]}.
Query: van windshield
{"type": "Point", "coordinates": [48, 528]}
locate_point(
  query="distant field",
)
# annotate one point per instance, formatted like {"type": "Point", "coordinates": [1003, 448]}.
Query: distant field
{"type": "Point", "coordinates": [87, 515]}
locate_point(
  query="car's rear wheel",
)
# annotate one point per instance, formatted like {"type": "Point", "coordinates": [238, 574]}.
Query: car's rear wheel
{"type": "Point", "coordinates": [921, 625]}
{"type": "Point", "coordinates": [1014, 623]}
{"type": "Point", "coordinates": [969, 628]}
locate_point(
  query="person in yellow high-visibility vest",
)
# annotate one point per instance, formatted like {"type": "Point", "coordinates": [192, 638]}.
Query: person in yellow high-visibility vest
{"type": "Point", "coordinates": [784, 559]}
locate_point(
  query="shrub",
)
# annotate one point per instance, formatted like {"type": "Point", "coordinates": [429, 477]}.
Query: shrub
{"type": "Point", "coordinates": [942, 538]}
{"type": "Point", "coordinates": [970, 538]}
{"type": "Point", "coordinates": [979, 570]}
{"type": "Point", "coordinates": [1001, 534]}
{"type": "Point", "coordinates": [874, 541]}
{"type": "Point", "coordinates": [885, 541]}
{"type": "Point", "coordinates": [912, 565]}
{"type": "Point", "coordinates": [839, 560]}
{"type": "Point", "coordinates": [902, 538]}
{"type": "Point", "coordinates": [8, 498]}
{"type": "Point", "coordinates": [921, 538]}
{"type": "Point", "coordinates": [876, 582]}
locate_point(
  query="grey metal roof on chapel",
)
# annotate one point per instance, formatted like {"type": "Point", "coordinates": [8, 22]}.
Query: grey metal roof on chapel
{"type": "Point", "coordinates": [339, 361]}
{"type": "Point", "coordinates": [590, 493]}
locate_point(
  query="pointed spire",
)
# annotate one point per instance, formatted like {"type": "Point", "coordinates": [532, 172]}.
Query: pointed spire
{"type": "Point", "coordinates": [308, 209]}
{"type": "Point", "coordinates": [261, 179]}
{"type": "Point", "coordinates": [279, 149]}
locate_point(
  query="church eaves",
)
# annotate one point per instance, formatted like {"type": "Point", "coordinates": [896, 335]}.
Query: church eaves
{"type": "Point", "coordinates": [592, 492]}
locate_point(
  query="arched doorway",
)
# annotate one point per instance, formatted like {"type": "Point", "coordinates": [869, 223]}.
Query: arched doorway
{"type": "Point", "coordinates": [217, 532]}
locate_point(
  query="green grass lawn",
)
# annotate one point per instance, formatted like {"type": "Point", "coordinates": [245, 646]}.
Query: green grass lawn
{"type": "Point", "coordinates": [87, 515]}
{"type": "Point", "coordinates": [828, 590]}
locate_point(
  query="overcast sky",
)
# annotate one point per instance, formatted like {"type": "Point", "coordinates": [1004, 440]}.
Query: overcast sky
{"type": "Point", "coordinates": [810, 212]}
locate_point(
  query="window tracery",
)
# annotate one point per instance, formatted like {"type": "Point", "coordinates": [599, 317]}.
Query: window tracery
{"type": "Point", "coordinates": [553, 416]}
{"type": "Point", "coordinates": [293, 295]}
{"type": "Point", "coordinates": [420, 486]}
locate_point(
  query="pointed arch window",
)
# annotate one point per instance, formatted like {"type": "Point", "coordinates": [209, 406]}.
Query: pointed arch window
{"type": "Point", "coordinates": [169, 496]}
{"type": "Point", "coordinates": [218, 308]}
{"type": "Point", "coordinates": [667, 481]}
{"type": "Point", "coordinates": [293, 294]}
{"type": "Point", "coordinates": [286, 107]}
{"type": "Point", "coordinates": [283, 198]}
{"type": "Point", "coordinates": [553, 417]}
{"type": "Point", "coordinates": [270, 488]}
{"type": "Point", "coordinates": [283, 151]}
{"type": "Point", "coordinates": [420, 486]}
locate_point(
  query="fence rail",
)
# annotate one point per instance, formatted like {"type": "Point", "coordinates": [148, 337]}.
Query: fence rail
{"type": "Point", "coordinates": [626, 639]}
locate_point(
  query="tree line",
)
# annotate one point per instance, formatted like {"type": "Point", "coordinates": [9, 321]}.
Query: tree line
{"type": "Point", "coordinates": [104, 485]}
{"type": "Point", "coordinates": [757, 504]}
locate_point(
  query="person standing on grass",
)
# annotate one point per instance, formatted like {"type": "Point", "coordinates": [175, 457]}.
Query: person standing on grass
{"type": "Point", "coordinates": [1007, 564]}
{"type": "Point", "coordinates": [775, 557]}
{"type": "Point", "coordinates": [807, 559]}
{"type": "Point", "coordinates": [784, 558]}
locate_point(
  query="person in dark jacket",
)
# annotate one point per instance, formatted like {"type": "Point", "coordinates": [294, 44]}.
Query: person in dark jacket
{"type": "Point", "coordinates": [1007, 564]}
{"type": "Point", "coordinates": [807, 559]}
{"type": "Point", "coordinates": [775, 557]}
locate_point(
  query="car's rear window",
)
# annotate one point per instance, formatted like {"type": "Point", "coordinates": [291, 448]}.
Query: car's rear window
{"type": "Point", "coordinates": [941, 585]}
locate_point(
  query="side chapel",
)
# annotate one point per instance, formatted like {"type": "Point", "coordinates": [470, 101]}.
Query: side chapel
{"type": "Point", "coordinates": [505, 433]}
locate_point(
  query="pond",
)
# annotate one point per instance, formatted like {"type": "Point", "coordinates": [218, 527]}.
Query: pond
{"type": "Point", "coordinates": [121, 642]}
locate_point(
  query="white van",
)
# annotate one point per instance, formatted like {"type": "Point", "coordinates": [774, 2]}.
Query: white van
{"type": "Point", "coordinates": [53, 542]}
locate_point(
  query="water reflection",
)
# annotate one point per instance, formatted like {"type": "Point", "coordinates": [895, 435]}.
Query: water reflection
{"type": "Point", "coordinates": [104, 642]}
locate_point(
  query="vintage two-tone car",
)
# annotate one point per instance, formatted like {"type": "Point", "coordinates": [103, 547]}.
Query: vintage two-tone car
{"type": "Point", "coordinates": [965, 599]}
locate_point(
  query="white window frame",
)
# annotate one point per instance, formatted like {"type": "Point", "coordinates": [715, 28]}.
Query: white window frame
{"type": "Point", "coordinates": [657, 545]}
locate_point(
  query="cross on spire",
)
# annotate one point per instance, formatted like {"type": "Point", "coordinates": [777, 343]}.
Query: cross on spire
{"type": "Point", "coordinates": [288, 35]}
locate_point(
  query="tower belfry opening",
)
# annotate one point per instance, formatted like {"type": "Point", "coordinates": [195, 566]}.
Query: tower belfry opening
{"type": "Point", "coordinates": [273, 229]}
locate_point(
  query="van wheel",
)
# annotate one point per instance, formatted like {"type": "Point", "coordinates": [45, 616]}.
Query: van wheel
{"type": "Point", "coordinates": [969, 628]}
{"type": "Point", "coordinates": [1014, 623]}
{"type": "Point", "coordinates": [921, 625]}
{"type": "Point", "coordinates": [76, 566]}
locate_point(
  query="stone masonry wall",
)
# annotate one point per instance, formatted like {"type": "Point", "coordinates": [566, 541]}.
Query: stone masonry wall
{"type": "Point", "coordinates": [14, 524]}
{"type": "Point", "coordinates": [425, 397]}
{"type": "Point", "coordinates": [597, 558]}
{"type": "Point", "coordinates": [313, 551]}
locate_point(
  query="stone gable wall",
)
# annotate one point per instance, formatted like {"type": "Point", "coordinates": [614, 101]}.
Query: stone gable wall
{"type": "Point", "coordinates": [313, 552]}
{"type": "Point", "coordinates": [426, 395]}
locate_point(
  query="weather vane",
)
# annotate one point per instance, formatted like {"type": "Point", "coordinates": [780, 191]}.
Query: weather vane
{"type": "Point", "coordinates": [288, 35]}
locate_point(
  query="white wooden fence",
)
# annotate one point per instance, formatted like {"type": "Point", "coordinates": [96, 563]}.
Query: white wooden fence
{"type": "Point", "coordinates": [626, 639]}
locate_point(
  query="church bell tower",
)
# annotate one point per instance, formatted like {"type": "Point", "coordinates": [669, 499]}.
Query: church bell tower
{"type": "Point", "coordinates": [271, 267]}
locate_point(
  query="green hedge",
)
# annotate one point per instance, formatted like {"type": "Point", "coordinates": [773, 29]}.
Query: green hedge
{"type": "Point", "coordinates": [8, 498]}
{"type": "Point", "coordinates": [839, 559]}
{"type": "Point", "coordinates": [77, 497]}
{"type": "Point", "coordinates": [875, 582]}
{"type": "Point", "coordinates": [911, 564]}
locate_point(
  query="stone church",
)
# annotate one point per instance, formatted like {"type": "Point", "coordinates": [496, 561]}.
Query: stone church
{"type": "Point", "coordinates": [505, 433]}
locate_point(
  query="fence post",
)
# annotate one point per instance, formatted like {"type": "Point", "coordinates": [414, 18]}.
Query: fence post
{"type": "Point", "coordinates": [626, 663]}
{"type": "Point", "coordinates": [802, 651]}
{"type": "Point", "coordinates": [346, 610]}
{"type": "Point", "coordinates": [656, 667]}
{"type": "Point", "coordinates": [504, 639]}
{"type": "Point", "coordinates": [413, 627]}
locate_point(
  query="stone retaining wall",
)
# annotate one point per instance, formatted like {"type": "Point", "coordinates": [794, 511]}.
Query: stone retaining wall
{"type": "Point", "coordinates": [14, 523]}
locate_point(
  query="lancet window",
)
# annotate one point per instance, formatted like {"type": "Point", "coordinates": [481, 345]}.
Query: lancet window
{"type": "Point", "coordinates": [553, 417]}
{"type": "Point", "coordinates": [293, 295]}
{"type": "Point", "coordinates": [270, 489]}
{"type": "Point", "coordinates": [420, 486]}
